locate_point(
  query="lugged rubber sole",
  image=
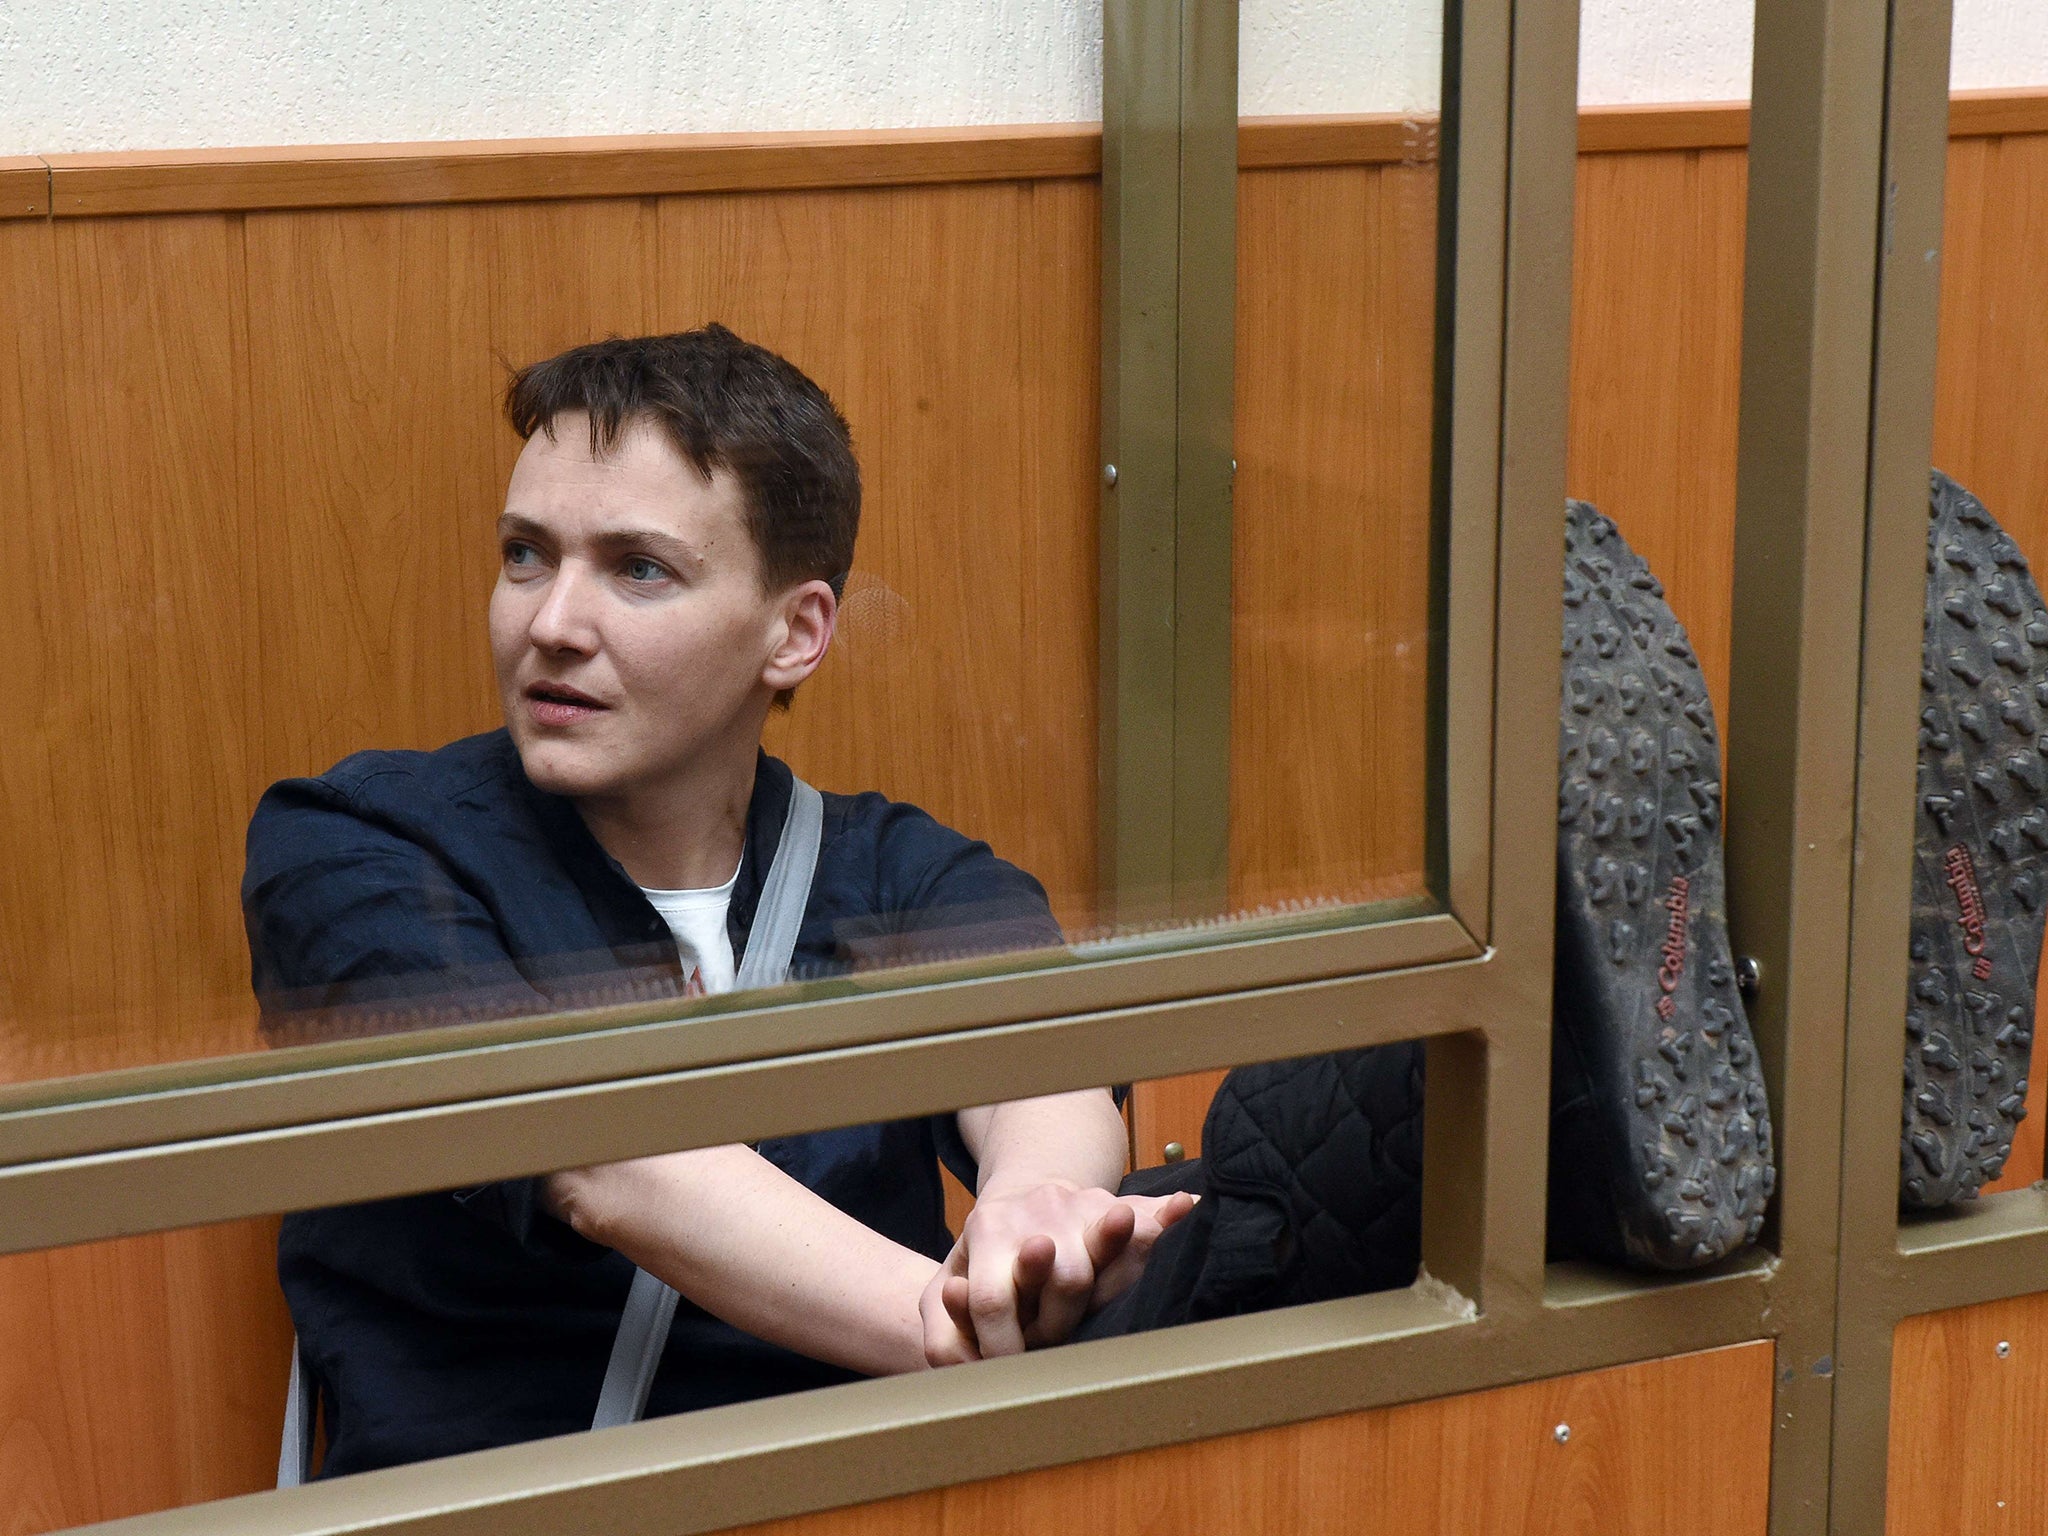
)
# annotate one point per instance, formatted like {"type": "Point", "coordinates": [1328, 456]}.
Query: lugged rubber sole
{"type": "Point", "coordinates": [1980, 830]}
{"type": "Point", "coordinates": [1645, 983]}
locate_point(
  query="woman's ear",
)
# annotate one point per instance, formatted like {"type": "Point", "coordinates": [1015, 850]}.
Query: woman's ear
{"type": "Point", "coordinates": [809, 614]}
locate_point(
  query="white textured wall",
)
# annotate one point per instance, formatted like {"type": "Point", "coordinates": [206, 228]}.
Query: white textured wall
{"type": "Point", "coordinates": [1664, 50]}
{"type": "Point", "coordinates": [1698, 50]}
{"type": "Point", "coordinates": [1999, 43]}
{"type": "Point", "coordinates": [1319, 56]}
{"type": "Point", "coordinates": [98, 74]}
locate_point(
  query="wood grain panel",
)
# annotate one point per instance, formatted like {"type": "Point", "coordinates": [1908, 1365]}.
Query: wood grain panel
{"type": "Point", "coordinates": [1656, 364]}
{"type": "Point", "coordinates": [497, 170]}
{"type": "Point", "coordinates": [1170, 1109]}
{"type": "Point", "coordinates": [1335, 347]}
{"type": "Point", "coordinates": [123, 785]}
{"type": "Point", "coordinates": [1272, 143]}
{"type": "Point", "coordinates": [1335, 351]}
{"type": "Point", "coordinates": [956, 328]}
{"type": "Point", "coordinates": [24, 187]}
{"type": "Point", "coordinates": [1974, 113]}
{"type": "Point", "coordinates": [1636, 129]}
{"type": "Point", "coordinates": [1967, 1423]}
{"type": "Point", "coordinates": [1484, 1464]}
{"type": "Point", "coordinates": [139, 1374]}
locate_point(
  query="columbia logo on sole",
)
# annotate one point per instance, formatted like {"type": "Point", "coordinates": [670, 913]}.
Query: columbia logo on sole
{"type": "Point", "coordinates": [1671, 969]}
{"type": "Point", "coordinates": [1960, 875]}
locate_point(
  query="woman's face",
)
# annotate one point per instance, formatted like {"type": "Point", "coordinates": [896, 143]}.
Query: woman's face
{"type": "Point", "coordinates": [629, 627]}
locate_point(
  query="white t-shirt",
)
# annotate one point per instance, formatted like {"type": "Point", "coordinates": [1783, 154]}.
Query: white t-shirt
{"type": "Point", "coordinates": [697, 919]}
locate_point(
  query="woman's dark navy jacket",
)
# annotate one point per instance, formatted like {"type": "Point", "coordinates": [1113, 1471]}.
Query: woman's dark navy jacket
{"type": "Point", "coordinates": [412, 887]}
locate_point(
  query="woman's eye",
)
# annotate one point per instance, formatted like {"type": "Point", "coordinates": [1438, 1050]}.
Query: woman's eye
{"type": "Point", "coordinates": [640, 568]}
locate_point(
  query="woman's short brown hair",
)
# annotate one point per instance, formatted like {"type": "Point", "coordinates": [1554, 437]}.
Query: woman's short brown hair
{"type": "Point", "coordinates": [725, 404]}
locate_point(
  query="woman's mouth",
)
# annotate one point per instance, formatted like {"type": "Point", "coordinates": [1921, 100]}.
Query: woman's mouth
{"type": "Point", "coordinates": [556, 704]}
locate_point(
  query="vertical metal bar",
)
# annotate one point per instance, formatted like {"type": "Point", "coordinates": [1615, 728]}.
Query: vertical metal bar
{"type": "Point", "coordinates": [1511, 113]}
{"type": "Point", "coordinates": [1466, 455]}
{"type": "Point", "coordinates": [1141, 132]}
{"type": "Point", "coordinates": [1535, 372]}
{"type": "Point", "coordinates": [1801, 482]}
{"type": "Point", "coordinates": [1169, 272]}
{"type": "Point", "coordinates": [1204, 409]}
{"type": "Point", "coordinates": [1868, 1301]}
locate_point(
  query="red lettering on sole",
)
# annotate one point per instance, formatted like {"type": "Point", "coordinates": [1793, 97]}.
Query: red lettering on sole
{"type": "Point", "coordinates": [1959, 873]}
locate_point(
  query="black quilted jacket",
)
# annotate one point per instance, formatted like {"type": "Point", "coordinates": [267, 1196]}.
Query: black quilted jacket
{"type": "Point", "coordinates": [1311, 1185]}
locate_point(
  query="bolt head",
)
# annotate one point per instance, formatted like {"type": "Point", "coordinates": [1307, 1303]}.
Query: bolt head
{"type": "Point", "coordinates": [1749, 974]}
{"type": "Point", "coordinates": [1562, 1433]}
{"type": "Point", "coordinates": [2004, 1348]}
{"type": "Point", "coordinates": [1109, 474]}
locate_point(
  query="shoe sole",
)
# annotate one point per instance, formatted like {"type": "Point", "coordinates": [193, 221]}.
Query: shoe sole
{"type": "Point", "coordinates": [1980, 830]}
{"type": "Point", "coordinates": [1645, 980]}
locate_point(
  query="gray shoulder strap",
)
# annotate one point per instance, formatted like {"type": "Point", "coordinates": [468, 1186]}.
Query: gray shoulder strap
{"type": "Point", "coordinates": [651, 1305]}
{"type": "Point", "coordinates": [786, 892]}
{"type": "Point", "coordinates": [295, 1454]}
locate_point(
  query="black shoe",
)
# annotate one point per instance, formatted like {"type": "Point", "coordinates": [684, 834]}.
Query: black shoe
{"type": "Point", "coordinates": [1978, 880]}
{"type": "Point", "coordinates": [1670, 1165]}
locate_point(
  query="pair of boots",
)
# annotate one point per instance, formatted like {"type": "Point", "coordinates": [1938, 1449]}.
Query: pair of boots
{"type": "Point", "coordinates": [1661, 1149]}
{"type": "Point", "coordinates": [1700, 1127]}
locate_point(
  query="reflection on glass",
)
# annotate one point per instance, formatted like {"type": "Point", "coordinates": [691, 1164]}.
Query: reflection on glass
{"type": "Point", "coordinates": [305, 527]}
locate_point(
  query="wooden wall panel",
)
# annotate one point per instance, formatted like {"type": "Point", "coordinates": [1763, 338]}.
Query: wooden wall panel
{"type": "Point", "coordinates": [139, 1374]}
{"type": "Point", "coordinates": [1170, 1109]}
{"type": "Point", "coordinates": [1484, 1464]}
{"type": "Point", "coordinates": [1335, 350]}
{"type": "Point", "coordinates": [115, 924]}
{"type": "Point", "coordinates": [1656, 361]}
{"type": "Point", "coordinates": [1968, 1425]}
{"type": "Point", "coordinates": [379, 341]}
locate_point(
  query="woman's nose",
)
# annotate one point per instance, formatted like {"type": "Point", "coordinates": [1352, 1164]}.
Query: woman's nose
{"type": "Point", "coordinates": [566, 618]}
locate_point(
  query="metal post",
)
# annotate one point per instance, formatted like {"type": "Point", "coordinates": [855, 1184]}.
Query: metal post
{"type": "Point", "coordinates": [1169, 253]}
{"type": "Point", "coordinates": [1817, 123]}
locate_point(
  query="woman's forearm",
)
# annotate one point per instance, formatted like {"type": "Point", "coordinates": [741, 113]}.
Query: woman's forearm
{"type": "Point", "coordinates": [1077, 1138]}
{"type": "Point", "coordinates": [750, 1245]}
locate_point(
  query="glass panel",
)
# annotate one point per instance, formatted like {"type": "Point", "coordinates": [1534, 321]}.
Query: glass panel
{"type": "Point", "coordinates": [1330, 800]}
{"type": "Point", "coordinates": [1971, 1117]}
{"type": "Point", "coordinates": [1336, 356]}
{"type": "Point", "coordinates": [263, 450]}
